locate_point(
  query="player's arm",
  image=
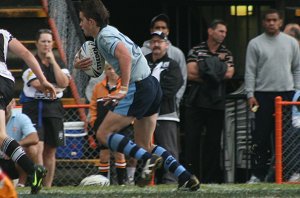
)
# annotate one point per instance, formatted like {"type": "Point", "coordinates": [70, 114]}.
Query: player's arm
{"type": "Point", "coordinates": [35, 83]}
{"type": "Point", "coordinates": [21, 51]}
{"type": "Point", "coordinates": [124, 58]}
{"type": "Point", "coordinates": [31, 139]}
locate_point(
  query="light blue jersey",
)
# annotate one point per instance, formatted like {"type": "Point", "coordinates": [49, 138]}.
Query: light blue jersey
{"type": "Point", "coordinates": [19, 126]}
{"type": "Point", "coordinates": [107, 40]}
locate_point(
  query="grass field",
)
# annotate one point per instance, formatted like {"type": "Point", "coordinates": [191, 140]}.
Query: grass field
{"type": "Point", "coordinates": [169, 191]}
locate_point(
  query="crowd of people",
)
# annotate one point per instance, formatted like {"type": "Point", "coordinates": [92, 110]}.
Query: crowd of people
{"type": "Point", "coordinates": [143, 87]}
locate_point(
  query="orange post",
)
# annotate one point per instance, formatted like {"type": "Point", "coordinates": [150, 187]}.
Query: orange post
{"type": "Point", "coordinates": [278, 139]}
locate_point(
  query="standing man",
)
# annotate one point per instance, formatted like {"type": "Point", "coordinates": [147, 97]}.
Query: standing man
{"type": "Point", "coordinates": [209, 64]}
{"type": "Point", "coordinates": [138, 99]}
{"type": "Point", "coordinates": [161, 23]}
{"type": "Point", "coordinates": [7, 144]}
{"type": "Point", "coordinates": [272, 69]}
{"type": "Point", "coordinates": [46, 114]}
{"type": "Point", "coordinates": [167, 72]}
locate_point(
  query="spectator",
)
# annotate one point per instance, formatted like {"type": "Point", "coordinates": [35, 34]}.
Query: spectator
{"type": "Point", "coordinates": [168, 73]}
{"type": "Point", "coordinates": [293, 30]}
{"type": "Point", "coordinates": [110, 85]}
{"type": "Point", "coordinates": [269, 72]}
{"type": "Point", "coordinates": [46, 114]}
{"type": "Point", "coordinates": [209, 64]}
{"type": "Point", "coordinates": [8, 145]}
{"type": "Point", "coordinates": [19, 127]}
{"type": "Point", "coordinates": [138, 99]}
{"type": "Point", "coordinates": [161, 22]}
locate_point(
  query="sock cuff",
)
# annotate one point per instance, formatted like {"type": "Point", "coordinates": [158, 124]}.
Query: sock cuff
{"type": "Point", "coordinates": [120, 164]}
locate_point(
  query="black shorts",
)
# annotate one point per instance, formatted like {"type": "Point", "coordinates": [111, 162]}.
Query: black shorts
{"type": "Point", "coordinates": [9, 168]}
{"type": "Point", "coordinates": [52, 132]}
{"type": "Point", "coordinates": [142, 100]}
{"type": "Point", "coordinates": [6, 91]}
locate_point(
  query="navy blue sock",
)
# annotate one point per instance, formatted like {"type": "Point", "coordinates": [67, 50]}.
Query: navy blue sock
{"type": "Point", "coordinates": [171, 164]}
{"type": "Point", "coordinates": [122, 144]}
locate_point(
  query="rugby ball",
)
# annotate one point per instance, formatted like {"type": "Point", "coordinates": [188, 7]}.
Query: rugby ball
{"type": "Point", "coordinates": [96, 180]}
{"type": "Point", "coordinates": [89, 50]}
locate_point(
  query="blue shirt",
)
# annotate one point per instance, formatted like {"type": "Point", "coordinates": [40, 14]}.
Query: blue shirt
{"type": "Point", "coordinates": [107, 40]}
{"type": "Point", "coordinates": [19, 126]}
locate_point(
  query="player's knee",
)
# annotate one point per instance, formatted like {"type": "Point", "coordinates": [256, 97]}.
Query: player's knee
{"type": "Point", "coordinates": [31, 150]}
{"type": "Point", "coordinates": [101, 137]}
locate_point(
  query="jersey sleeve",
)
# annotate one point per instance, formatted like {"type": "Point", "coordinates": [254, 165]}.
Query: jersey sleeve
{"type": "Point", "coordinates": [26, 125]}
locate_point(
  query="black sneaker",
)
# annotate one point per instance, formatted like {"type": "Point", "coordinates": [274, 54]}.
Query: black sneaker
{"type": "Point", "coordinates": [147, 172]}
{"type": "Point", "coordinates": [192, 184]}
{"type": "Point", "coordinates": [37, 178]}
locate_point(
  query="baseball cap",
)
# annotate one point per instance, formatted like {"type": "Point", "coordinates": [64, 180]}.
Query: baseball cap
{"type": "Point", "coordinates": [160, 34]}
{"type": "Point", "coordinates": [160, 17]}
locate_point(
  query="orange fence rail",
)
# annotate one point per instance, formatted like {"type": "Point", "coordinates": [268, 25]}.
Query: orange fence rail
{"type": "Point", "coordinates": [279, 104]}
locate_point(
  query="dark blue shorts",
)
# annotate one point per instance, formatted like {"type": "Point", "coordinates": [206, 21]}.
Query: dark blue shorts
{"type": "Point", "coordinates": [142, 100]}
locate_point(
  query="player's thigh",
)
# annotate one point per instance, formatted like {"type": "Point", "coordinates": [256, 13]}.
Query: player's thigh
{"type": "Point", "coordinates": [6, 95]}
{"type": "Point", "coordinates": [2, 126]}
{"type": "Point", "coordinates": [112, 123]}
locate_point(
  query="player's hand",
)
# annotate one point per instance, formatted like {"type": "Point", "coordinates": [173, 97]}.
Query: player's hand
{"type": "Point", "coordinates": [82, 64]}
{"type": "Point", "coordinates": [253, 104]}
{"type": "Point", "coordinates": [115, 98]}
{"type": "Point", "coordinates": [49, 90]}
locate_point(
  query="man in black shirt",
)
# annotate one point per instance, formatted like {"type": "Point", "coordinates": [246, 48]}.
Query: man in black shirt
{"type": "Point", "coordinates": [208, 64]}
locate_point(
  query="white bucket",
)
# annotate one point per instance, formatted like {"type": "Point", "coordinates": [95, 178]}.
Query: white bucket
{"type": "Point", "coordinates": [74, 128]}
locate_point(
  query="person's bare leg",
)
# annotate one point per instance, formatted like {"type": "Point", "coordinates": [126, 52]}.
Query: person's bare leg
{"type": "Point", "coordinates": [117, 142]}
{"type": "Point", "coordinates": [12, 149]}
{"type": "Point", "coordinates": [49, 162]}
{"type": "Point", "coordinates": [104, 162]}
{"type": "Point", "coordinates": [143, 132]}
{"type": "Point", "coordinates": [3, 134]}
{"type": "Point", "coordinates": [112, 123]}
{"type": "Point", "coordinates": [39, 155]}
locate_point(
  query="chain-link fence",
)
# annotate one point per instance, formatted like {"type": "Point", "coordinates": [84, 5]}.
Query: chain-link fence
{"type": "Point", "coordinates": [79, 157]}
{"type": "Point", "coordinates": [71, 36]}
